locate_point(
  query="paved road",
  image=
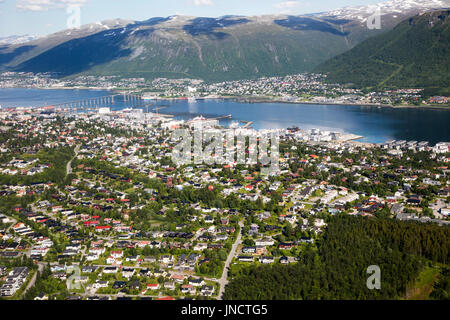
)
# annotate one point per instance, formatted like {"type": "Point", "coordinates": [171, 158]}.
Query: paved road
{"type": "Point", "coordinates": [223, 281]}
{"type": "Point", "coordinates": [33, 280]}
{"type": "Point", "coordinates": [69, 164]}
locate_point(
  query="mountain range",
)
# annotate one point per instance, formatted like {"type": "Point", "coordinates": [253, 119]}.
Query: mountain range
{"type": "Point", "coordinates": [212, 49]}
{"type": "Point", "coordinates": [416, 53]}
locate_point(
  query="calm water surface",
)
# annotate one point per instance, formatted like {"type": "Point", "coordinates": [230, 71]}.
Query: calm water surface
{"type": "Point", "coordinates": [374, 124]}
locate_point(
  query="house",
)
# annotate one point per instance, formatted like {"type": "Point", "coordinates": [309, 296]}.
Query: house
{"type": "Point", "coordinates": [117, 254]}
{"type": "Point", "coordinates": [166, 298]}
{"type": "Point", "coordinates": [159, 273]}
{"type": "Point", "coordinates": [128, 272]}
{"type": "Point", "coordinates": [169, 285]}
{"type": "Point", "coordinates": [153, 286]}
{"type": "Point", "coordinates": [249, 250]}
{"type": "Point", "coordinates": [264, 215]}
{"type": "Point", "coordinates": [100, 284]}
{"type": "Point", "coordinates": [97, 250]}
{"type": "Point", "coordinates": [102, 228]}
{"type": "Point", "coordinates": [135, 285]}
{"type": "Point", "coordinates": [319, 223]}
{"type": "Point", "coordinates": [145, 272]}
{"type": "Point", "coordinates": [188, 289]}
{"type": "Point", "coordinates": [14, 281]}
{"type": "Point", "coordinates": [88, 269]}
{"type": "Point", "coordinates": [109, 270]}
{"type": "Point", "coordinates": [57, 268]}
{"type": "Point", "coordinates": [93, 257]}
{"type": "Point", "coordinates": [196, 282]}
{"type": "Point", "coordinates": [200, 246]}
{"type": "Point", "coordinates": [112, 260]}
{"type": "Point", "coordinates": [149, 259]}
{"type": "Point", "coordinates": [415, 201]}
{"type": "Point", "coordinates": [397, 208]}
{"type": "Point", "coordinates": [284, 260]}
{"type": "Point", "coordinates": [286, 246]}
{"type": "Point", "coordinates": [119, 284]}
{"type": "Point", "coordinates": [266, 260]}
{"type": "Point", "coordinates": [132, 258]}
{"type": "Point", "coordinates": [245, 258]}
{"type": "Point", "coordinates": [207, 290]}
{"type": "Point", "coordinates": [445, 211]}
{"type": "Point", "coordinates": [166, 259]}
{"type": "Point", "coordinates": [265, 242]}
{"type": "Point", "coordinates": [177, 277]}
{"type": "Point", "coordinates": [220, 237]}
{"type": "Point", "coordinates": [59, 275]}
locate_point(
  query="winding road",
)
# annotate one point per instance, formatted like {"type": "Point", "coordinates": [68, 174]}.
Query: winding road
{"type": "Point", "coordinates": [69, 164]}
{"type": "Point", "coordinates": [33, 279]}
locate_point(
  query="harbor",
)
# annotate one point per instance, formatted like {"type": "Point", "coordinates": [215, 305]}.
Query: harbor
{"type": "Point", "coordinates": [366, 124]}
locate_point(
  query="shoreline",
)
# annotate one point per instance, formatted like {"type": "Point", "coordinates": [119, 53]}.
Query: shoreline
{"type": "Point", "coordinates": [266, 100]}
{"type": "Point", "coordinates": [255, 100]}
{"type": "Point", "coordinates": [250, 99]}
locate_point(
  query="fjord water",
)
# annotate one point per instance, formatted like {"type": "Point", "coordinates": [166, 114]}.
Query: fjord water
{"type": "Point", "coordinates": [375, 124]}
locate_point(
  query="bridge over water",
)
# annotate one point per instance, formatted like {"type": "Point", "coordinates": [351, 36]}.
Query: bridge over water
{"type": "Point", "coordinates": [93, 104]}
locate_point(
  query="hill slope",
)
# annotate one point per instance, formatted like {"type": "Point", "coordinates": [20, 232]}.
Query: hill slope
{"type": "Point", "coordinates": [416, 53]}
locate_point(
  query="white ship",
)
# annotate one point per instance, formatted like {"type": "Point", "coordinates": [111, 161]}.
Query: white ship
{"type": "Point", "coordinates": [234, 125]}
{"type": "Point", "coordinates": [149, 97]}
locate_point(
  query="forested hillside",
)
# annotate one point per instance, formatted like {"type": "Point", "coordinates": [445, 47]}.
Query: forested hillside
{"type": "Point", "coordinates": [414, 54]}
{"type": "Point", "coordinates": [337, 269]}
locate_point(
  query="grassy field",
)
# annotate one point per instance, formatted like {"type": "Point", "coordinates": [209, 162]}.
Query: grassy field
{"type": "Point", "coordinates": [424, 284]}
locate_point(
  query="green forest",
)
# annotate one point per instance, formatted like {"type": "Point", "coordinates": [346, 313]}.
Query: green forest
{"type": "Point", "coordinates": [337, 267]}
{"type": "Point", "coordinates": [415, 54]}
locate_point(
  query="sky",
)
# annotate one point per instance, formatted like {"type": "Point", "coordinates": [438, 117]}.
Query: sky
{"type": "Point", "coordinates": [41, 17]}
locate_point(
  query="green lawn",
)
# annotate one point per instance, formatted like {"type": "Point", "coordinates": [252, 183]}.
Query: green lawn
{"type": "Point", "coordinates": [424, 284]}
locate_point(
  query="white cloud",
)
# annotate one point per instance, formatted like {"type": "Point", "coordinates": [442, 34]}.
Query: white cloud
{"type": "Point", "coordinates": [287, 4]}
{"type": "Point", "coordinates": [44, 5]}
{"type": "Point", "coordinates": [203, 3]}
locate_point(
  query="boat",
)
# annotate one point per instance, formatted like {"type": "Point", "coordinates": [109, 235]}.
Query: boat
{"type": "Point", "coordinates": [149, 97]}
{"type": "Point", "coordinates": [234, 125]}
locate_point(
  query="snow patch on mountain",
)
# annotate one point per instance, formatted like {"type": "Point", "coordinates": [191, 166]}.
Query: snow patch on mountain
{"type": "Point", "coordinates": [10, 40]}
{"type": "Point", "coordinates": [361, 13]}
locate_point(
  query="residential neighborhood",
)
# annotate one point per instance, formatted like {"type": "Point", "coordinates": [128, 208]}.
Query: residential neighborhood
{"type": "Point", "coordinates": [94, 203]}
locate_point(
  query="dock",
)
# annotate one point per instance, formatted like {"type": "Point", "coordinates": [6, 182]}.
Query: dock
{"type": "Point", "coordinates": [349, 137]}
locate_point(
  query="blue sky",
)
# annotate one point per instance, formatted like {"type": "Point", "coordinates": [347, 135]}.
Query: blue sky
{"type": "Point", "coordinates": [40, 17]}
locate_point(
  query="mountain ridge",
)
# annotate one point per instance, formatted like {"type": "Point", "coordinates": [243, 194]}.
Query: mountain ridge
{"type": "Point", "coordinates": [213, 49]}
{"type": "Point", "coordinates": [414, 54]}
